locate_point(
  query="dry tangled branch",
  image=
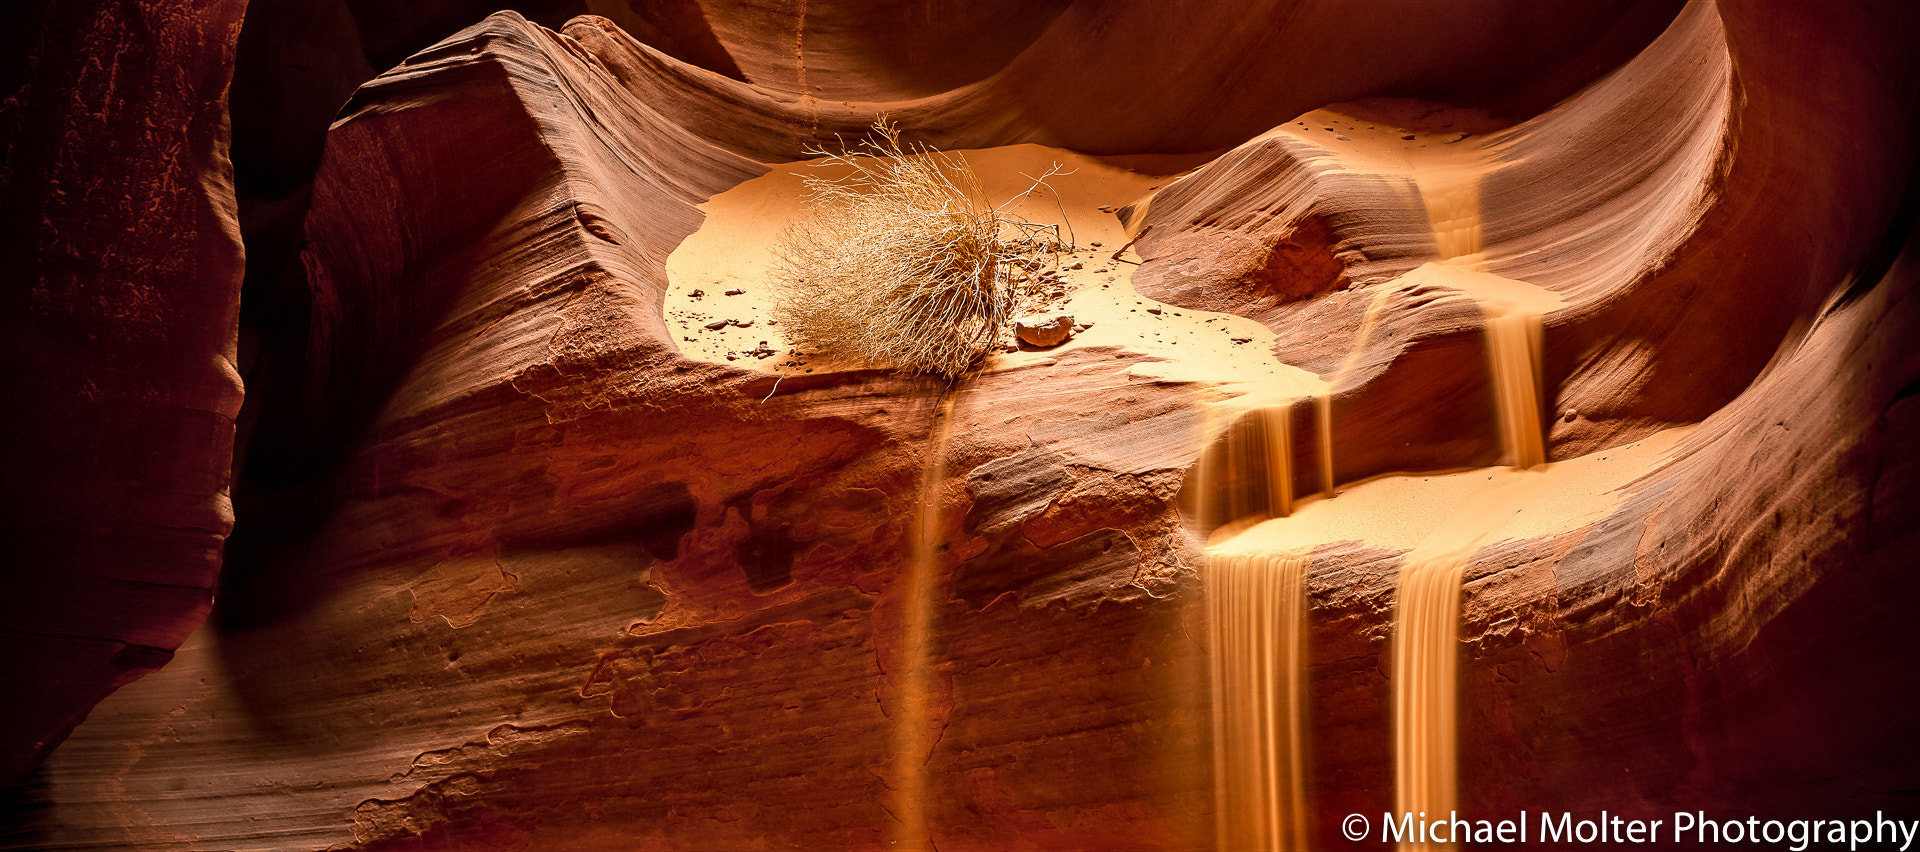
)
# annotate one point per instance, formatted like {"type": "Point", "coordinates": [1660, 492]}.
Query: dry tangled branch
{"type": "Point", "coordinates": [904, 262]}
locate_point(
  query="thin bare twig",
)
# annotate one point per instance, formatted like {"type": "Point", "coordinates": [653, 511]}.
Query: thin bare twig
{"type": "Point", "coordinates": [1136, 238]}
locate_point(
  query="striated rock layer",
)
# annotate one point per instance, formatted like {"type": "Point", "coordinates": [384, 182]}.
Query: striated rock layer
{"type": "Point", "coordinates": [514, 568]}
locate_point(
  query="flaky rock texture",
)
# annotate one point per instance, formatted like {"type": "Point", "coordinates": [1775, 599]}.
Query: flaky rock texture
{"type": "Point", "coordinates": [514, 569]}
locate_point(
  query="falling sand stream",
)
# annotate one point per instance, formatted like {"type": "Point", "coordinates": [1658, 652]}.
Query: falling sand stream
{"type": "Point", "coordinates": [1427, 605]}
{"type": "Point", "coordinates": [912, 711]}
{"type": "Point", "coordinates": [1255, 616]}
{"type": "Point", "coordinates": [1254, 603]}
{"type": "Point", "coordinates": [1259, 556]}
{"type": "Point", "coordinates": [1257, 602]}
{"type": "Point", "coordinates": [1256, 582]}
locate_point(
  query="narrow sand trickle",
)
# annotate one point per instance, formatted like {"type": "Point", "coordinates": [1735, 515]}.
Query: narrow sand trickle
{"type": "Point", "coordinates": [1515, 340]}
{"type": "Point", "coordinates": [1514, 343]}
{"type": "Point", "coordinates": [1248, 469]}
{"type": "Point", "coordinates": [912, 711]}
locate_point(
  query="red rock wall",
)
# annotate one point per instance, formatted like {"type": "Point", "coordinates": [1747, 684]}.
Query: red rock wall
{"type": "Point", "coordinates": [118, 232]}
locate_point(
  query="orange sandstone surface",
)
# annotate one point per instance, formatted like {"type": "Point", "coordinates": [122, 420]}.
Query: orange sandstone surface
{"type": "Point", "coordinates": [1481, 406]}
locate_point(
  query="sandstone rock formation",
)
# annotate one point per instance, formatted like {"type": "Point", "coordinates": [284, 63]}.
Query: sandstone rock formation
{"type": "Point", "coordinates": [118, 233]}
{"type": "Point", "coordinates": [519, 564]}
{"type": "Point", "coordinates": [1044, 330]}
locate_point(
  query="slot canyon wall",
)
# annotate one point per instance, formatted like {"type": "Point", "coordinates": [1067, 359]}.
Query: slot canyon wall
{"type": "Point", "coordinates": [486, 559]}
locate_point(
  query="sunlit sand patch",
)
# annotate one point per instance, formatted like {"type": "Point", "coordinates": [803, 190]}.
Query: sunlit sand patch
{"type": "Point", "coordinates": [726, 262]}
{"type": "Point", "coordinates": [1483, 505]}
